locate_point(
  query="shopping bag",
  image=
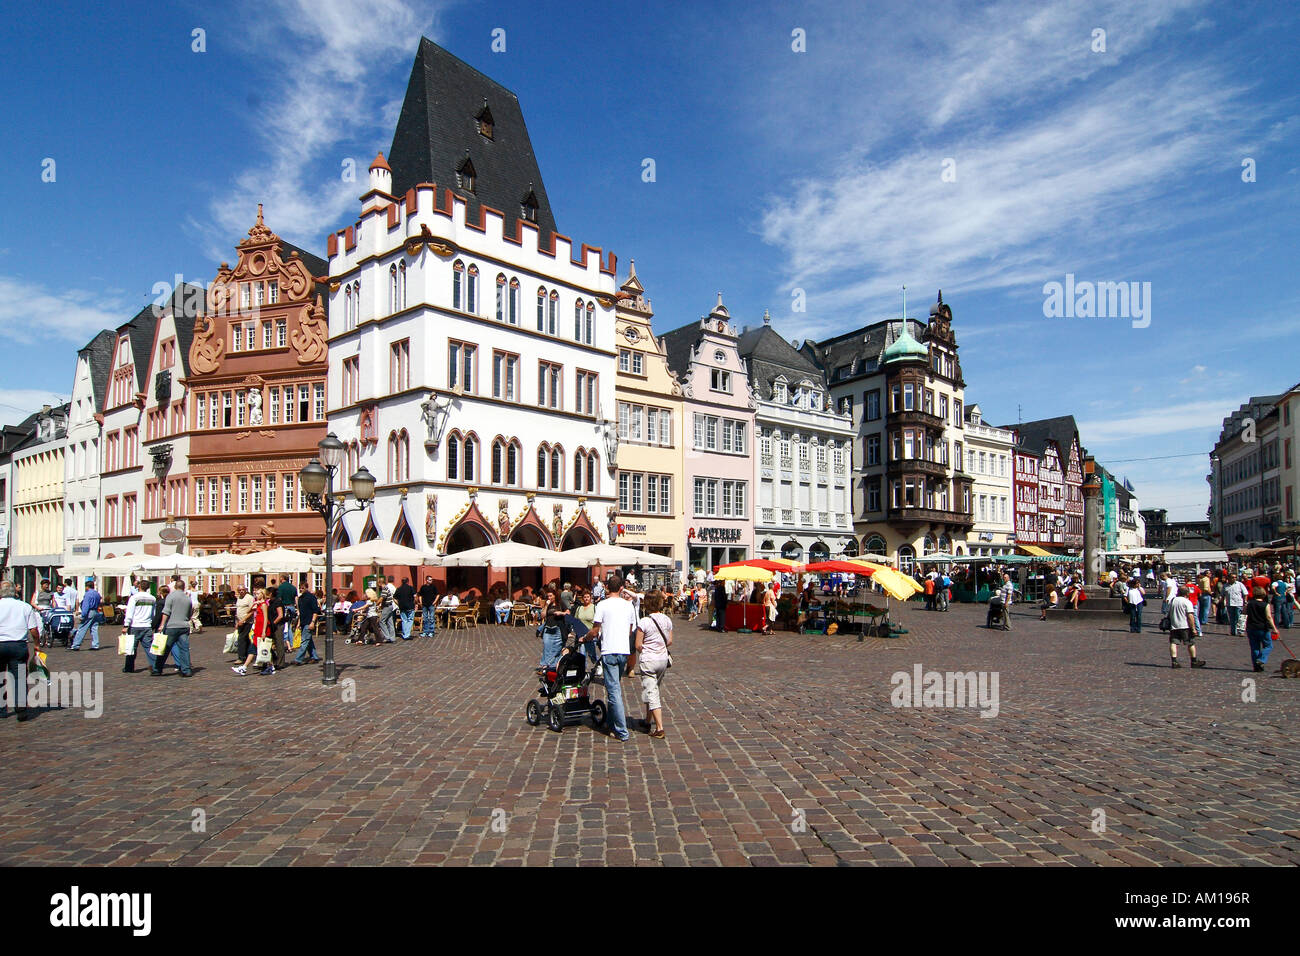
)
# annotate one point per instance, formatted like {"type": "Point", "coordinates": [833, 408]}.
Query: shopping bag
{"type": "Point", "coordinates": [159, 644]}
{"type": "Point", "coordinates": [297, 638]}
{"type": "Point", "coordinates": [232, 643]}
{"type": "Point", "coordinates": [125, 642]}
{"type": "Point", "coordinates": [263, 651]}
{"type": "Point", "coordinates": [40, 666]}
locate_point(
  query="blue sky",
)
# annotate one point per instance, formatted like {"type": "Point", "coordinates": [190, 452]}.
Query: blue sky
{"type": "Point", "coordinates": [775, 170]}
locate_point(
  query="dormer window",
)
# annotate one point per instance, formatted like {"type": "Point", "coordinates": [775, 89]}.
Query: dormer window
{"type": "Point", "coordinates": [528, 207]}
{"type": "Point", "coordinates": [465, 176]}
{"type": "Point", "coordinates": [485, 122]}
{"type": "Point", "coordinates": [779, 392]}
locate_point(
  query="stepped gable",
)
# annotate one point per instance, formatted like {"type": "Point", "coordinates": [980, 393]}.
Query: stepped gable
{"type": "Point", "coordinates": [440, 129]}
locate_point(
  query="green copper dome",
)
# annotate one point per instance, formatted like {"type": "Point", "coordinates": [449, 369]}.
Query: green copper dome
{"type": "Point", "coordinates": [905, 348]}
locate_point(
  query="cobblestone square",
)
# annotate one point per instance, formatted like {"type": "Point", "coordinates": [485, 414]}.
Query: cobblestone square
{"type": "Point", "coordinates": [780, 750]}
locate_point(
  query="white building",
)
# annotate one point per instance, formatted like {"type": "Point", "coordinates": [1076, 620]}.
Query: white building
{"type": "Point", "coordinates": [82, 461]}
{"type": "Point", "coordinates": [1245, 479]}
{"type": "Point", "coordinates": [805, 454]}
{"type": "Point", "coordinates": [121, 481]}
{"type": "Point", "coordinates": [989, 461]}
{"type": "Point", "coordinates": [472, 353]}
{"type": "Point", "coordinates": [36, 545]}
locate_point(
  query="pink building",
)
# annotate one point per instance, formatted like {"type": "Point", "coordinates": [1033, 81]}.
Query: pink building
{"type": "Point", "coordinates": [719, 435]}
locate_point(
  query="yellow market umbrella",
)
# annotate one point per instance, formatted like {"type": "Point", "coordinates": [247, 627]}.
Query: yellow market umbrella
{"type": "Point", "coordinates": [736, 573]}
{"type": "Point", "coordinates": [894, 583]}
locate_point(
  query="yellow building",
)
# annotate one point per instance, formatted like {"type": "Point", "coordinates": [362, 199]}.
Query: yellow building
{"type": "Point", "coordinates": [650, 463]}
{"type": "Point", "coordinates": [37, 531]}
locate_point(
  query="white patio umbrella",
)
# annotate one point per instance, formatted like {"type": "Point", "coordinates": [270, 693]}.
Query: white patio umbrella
{"type": "Point", "coordinates": [512, 554]}
{"type": "Point", "coordinates": [175, 563]}
{"type": "Point", "coordinates": [117, 567]}
{"type": "Point", "coordinates": [273, 559]}
{"type": "Point", "coordinates": [380, 552]}
{"type": "Point", "coordinates": [611, 555]}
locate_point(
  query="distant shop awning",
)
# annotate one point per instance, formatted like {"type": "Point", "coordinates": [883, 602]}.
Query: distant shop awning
{"type": "Point", "coordinates": [1196, 557]}
{"type": "Point", "coordinates": [1035, 551]}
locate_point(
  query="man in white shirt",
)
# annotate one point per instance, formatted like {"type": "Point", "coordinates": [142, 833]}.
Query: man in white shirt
{"type": "Point", "coordinates": [614, 622]}
{"type": "Point", "coordinates": [1136, 598]}
{"type": "Point", "coordinates": [1169, 589]}
{"type": "Point", "coordinates": [1183, 628]}
{"type": "Point", "coordinates": [19, 624]}
{"type": "Point", "coordinates": [1235, 595]}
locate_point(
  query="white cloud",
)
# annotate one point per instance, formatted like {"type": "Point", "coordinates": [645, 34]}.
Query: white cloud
{"type": "Point", "coordinates": [1063, 157]}
{"type": "Point", "coordinates": [326, 55]}
{"type": "Point", "coordinates": [1204, 416]}
{"type": "Point", "coordinates": [32, 314]}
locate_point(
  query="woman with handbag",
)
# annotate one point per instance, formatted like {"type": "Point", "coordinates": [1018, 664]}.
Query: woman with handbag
{"type": "Point", "coordinates": [654, 635]}
{"type": "Point", "coordinates": [260, 633]}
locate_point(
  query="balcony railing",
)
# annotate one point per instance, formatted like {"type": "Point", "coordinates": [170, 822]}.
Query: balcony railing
{"type": "Point", "coordinates": [767, 515]}
{"type": "Point", "coordinates": [787, 463]}
{"type": "Point", "coordinates": [824, 519]}
{"type": "Point", "coordinates": [932, 515]}
{"type": "Point", "coordinates": [765, 460]}
{"type": "Point", "coordinates": [923, 466]}
{"type": "Point", "coordinates": [916, 417]}
{"type": "Point", "coordinates": [806, 519]}
{"type": "Point", "coordinates": [787, 516]}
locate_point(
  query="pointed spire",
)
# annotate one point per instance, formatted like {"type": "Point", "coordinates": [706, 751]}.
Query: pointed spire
{"type": "Point", "coordinates": [259, 215]}
{"type": "Point", "coordinates": [380, 162]}
{"type": "Point", "coordinates": [720, 310]}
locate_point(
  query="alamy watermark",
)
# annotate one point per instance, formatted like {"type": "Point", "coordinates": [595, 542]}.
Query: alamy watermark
{"type": "Point", "coordinates": [922, 688]}
{"type": "Point", "coordinates": [83, 690]}
{"type": "Point", "coordinates": [1101, 300]}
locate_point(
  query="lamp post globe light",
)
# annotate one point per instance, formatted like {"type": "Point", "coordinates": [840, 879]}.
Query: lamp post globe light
{"type": "Point", "coordinates": [317, 482]}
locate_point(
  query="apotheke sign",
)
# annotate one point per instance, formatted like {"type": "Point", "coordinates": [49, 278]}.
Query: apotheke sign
{"type": "Point", "coordinates": [715, 535]}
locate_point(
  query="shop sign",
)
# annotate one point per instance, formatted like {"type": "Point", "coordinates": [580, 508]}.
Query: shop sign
{"type": "Point", "coordinates": [715, 535]}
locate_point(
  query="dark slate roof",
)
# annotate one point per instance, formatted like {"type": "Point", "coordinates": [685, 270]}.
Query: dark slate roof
{"type": "Point", "coordinates": [191, 298]}
{"type": "Point", "coordinates": [858, 352]}
{"type": "Point", "coordinates": [1259, 406]}
{"type": "Point", "coordinates": [1035, 435]}
{"type": "Point", "coordinates": [140, 331]}
{"type": "Point", "coordinates": [99, 353]}
{"type": "Point", "coordinates": [770, 355]}
{"type": "Point", "coordinates": [13, 437]}
{"type": "Point", "coordinates": [439, 122]}
{"type": "Point", "coordinates": [314, 263]}
{"type": "Point", "coordinates": [679, 344]}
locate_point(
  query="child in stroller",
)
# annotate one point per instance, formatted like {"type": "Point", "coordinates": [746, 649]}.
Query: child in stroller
{"type": "Point", "coordinates": [59, 625]}
{"type": "Point", "coordinates": [563, 693]}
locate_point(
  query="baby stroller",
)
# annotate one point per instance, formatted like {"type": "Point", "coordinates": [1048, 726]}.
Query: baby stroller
{"type": "Point", "coordinates": [60, 624]}
{"type": "Point", "coordinates": [997, 616]}
{"type": "Point", "coordinates": [562, 694]}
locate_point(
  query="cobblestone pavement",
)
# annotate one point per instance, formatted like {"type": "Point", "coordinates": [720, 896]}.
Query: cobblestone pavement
{"type": "Point", "coordinates": [782, 749]}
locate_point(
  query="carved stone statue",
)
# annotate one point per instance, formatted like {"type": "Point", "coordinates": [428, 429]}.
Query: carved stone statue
{"type": "Point", "coordinates": [205, 354]}
{"type": "Point", "coordinates": [431, 518]}
{"type": "Point", "coordinates": [309, 338]}
{"type": "Point", "coordinates": [557, 523]}
{"type": "Point", "coordinates": [503, 518]}
{"type": "Point", "coordinates": [268, 531]}
{"type": "Point", "coordinates": [254, 406]}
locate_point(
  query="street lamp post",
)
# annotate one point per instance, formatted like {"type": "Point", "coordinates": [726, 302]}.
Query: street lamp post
{"type": "Point", "coordinates": [317, 478]}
